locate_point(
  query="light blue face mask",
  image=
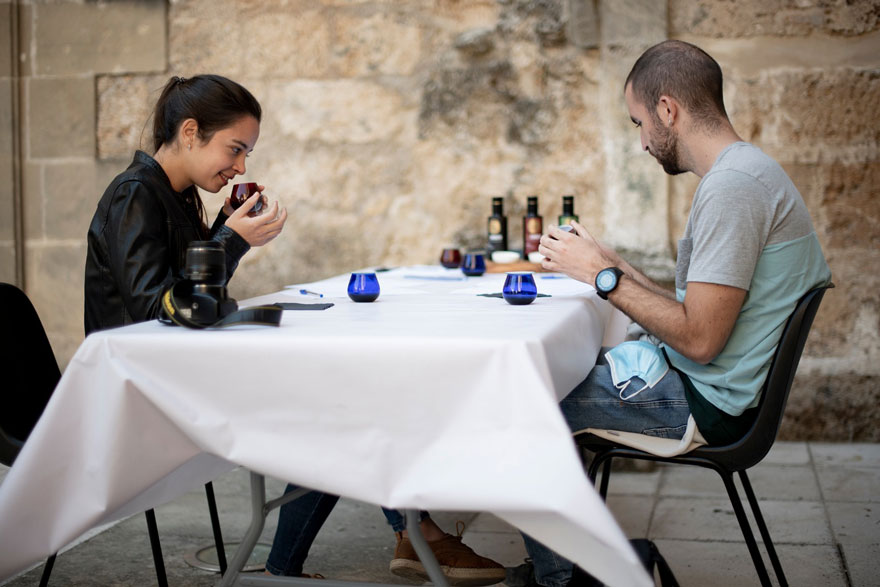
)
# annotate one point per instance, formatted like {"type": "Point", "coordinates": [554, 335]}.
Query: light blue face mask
{"type": "Point", "coordinates": [636, 358]}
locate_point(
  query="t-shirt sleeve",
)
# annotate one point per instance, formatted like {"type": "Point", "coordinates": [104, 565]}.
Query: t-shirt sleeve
{"type": "Point", "coordinates": [729, 227]}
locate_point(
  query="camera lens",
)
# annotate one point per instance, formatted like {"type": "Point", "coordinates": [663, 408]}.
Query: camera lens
{"type": "Point", "coordinates": [205, 263]}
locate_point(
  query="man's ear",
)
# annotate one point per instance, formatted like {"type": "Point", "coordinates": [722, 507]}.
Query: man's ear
{"type": "Point", "coordinates": [668, 110]}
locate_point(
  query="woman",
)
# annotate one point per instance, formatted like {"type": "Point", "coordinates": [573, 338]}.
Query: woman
{"type": "Point", "coordinates": [203, 128]}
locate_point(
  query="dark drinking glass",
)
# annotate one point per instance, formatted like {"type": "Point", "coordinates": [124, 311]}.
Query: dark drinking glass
{"type": "Point", "coordinates": [450, 258]}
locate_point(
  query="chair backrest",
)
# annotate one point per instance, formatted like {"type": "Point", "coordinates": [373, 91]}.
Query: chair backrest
{"type": "Point", "coordinates": [756, 443]}
{"type": "Point", "coordinates": [30, 371]}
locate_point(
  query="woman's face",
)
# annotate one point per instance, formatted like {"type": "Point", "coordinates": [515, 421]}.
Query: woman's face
{"type": "Point", "coordinates": [214, 162]}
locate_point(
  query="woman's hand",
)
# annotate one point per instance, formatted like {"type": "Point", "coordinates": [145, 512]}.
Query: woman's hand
{"type": "Point", "coordinates": [256, 230]}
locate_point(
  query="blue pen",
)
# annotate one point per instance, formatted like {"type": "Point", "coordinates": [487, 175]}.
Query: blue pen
{"type": "Point", "coordinates": [554, 277]}
{"type": "Point", "coordinates": [306, 292]}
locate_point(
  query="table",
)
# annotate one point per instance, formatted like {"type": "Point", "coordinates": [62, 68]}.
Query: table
{"type": "Point", "coordinates": [431, 397]}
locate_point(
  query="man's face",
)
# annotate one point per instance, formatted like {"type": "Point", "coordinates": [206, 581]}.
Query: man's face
{"type": "Point", "coordinates": [657, 139]}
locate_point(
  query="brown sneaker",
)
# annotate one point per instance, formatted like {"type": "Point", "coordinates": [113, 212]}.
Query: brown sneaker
{"type": "Point", "coordinates": [460, 565]}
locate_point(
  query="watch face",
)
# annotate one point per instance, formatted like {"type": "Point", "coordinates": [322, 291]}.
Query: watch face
{"type": "Point", "coordinates": [606, 280]}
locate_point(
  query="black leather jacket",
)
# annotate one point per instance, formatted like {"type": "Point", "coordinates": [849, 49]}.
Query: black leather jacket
{"type": "Point", "coordinates": [137, 245]}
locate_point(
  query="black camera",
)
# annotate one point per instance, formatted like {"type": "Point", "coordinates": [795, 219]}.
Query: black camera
{"type": "Point", "coordinates": [200, 299]}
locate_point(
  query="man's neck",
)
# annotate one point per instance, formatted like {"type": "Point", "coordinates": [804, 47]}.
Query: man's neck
{"type": "Point", "coordinates": [704, 148]}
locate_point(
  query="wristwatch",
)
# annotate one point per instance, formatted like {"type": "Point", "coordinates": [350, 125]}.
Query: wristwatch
{"type": "Point", "coordinates": [607, 280]}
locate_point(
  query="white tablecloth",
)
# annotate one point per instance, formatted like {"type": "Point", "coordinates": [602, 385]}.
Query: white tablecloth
{"type": "Point", "coordinates": [431, 397]}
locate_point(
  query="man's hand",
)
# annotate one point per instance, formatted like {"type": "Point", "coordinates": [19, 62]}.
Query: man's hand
{"type": "Point", "coordinates": [698, 328]}
{"type": "Point", "coordinates": [576, 254]}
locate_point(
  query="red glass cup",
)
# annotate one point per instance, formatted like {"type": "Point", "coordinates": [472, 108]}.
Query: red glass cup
{"type": "Point", "coordinates": [241, 192]}
{"type": "Point", "coordinates": [450, 258]}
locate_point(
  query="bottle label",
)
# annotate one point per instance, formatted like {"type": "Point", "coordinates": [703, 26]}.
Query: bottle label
{"type": "Point", "coordinates": [494, 226]}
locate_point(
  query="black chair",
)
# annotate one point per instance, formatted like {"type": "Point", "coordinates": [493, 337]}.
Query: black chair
{"type": "Point", "coordinates": [31, 374]}
{"type": "Point", "coordinates": [749, 450]}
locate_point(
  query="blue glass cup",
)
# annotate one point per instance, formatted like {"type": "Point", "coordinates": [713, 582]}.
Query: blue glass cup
{"type": "Point", "coordinates": [519, 288]}
{"type": "Point", "coordinates": [474, 264]}
{"type": "Point", "coordinates": [363, 287]}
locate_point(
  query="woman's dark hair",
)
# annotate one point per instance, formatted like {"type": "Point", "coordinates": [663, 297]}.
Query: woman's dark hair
{"type": "Point", "coordinates": [213, 101]}
{"type": "Point", "coordinates": [684, 72]}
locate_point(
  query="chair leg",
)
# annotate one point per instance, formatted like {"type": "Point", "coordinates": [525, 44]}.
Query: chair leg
{"type": "Point", "coordinates": [762, 527]}
{"type": "Point", "coordinates": [153, 530]}
{"type": "Point", "coordinates": [606, 476]}
{"type": "Point", "coordinates": [215, 526]}
{"type": "Point", "coordinates": [745, 527]}
{"type": "Point", "coordinates": [600, 459]}
{"type": "Point", "coordinates": [47, 570]}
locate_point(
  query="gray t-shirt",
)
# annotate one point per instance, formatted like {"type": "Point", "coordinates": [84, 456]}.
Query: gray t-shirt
{"type": "Point", "coordinates": [748, 228]}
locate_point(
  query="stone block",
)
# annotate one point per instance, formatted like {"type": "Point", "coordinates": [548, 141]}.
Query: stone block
{"type": "Point", "coordinates": [855, 482]}
{"type": "Point", "coordinates": [206, 36]}
{"type": "Point", "coordinates": [33, 201]}
{"type": "Point", "coordinates": [75, 38]}
{"type": "Point", "coordinates": [55, 274]}
{"type": "Point", "coordinates": [781, 482]}
{"type": "Point", "coordinates": [862, 562]}
{"type": "Point", "coordinates": [845, 337]}
{"type": "Point", "coordinates": [799, 522]}
{"type": "Point", "coordinates": [284, 43]}
{"type": "Point", "coordinates": [7, 262]}
{"type": "Point", "coordinates": [855, 523]}
{"type": "Point", "coordinates": [582, 26]}
{"type": "Point", "coordinates": [846, 100]}
{"type": "Point", "coordinates": [710, 562]}
{"type": "Point", "coordinates": [6, 48]}
{"type": "Point", "coordinates": [834, 408]}
{"type": "Point", "coordinates": [749, 18]}
{"type": "Point", "coordinates": [810, 115]}
{"type": "Point", "coordinates": [850, 206]}
{"type": "Point", "coordinates": [633, 23]}
{"type": "Point", "coordinates": [338, 111]}
{"type": "Point", "coordinates": [834, 455]}
{"type": "Point", "coordinates": [461, 15]}
{"type": "Point", "coordinates": [70, 196]}
{"type": "Point", "coordinates": [125, 107]}
{"type": "Point", "coordinates": [61, 117]}
{"type": "Point", "coordinates": [384, 43]}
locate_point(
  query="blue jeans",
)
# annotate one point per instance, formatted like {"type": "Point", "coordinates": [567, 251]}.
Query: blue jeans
{"type": "Point", "coordinates": [298, 524]}
{"type": "Point", "coordinates": [398, 521]}
{"type": "Point", "coordinates": [659, 411]}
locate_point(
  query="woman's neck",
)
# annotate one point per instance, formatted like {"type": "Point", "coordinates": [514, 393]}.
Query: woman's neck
{"type": "Point", "coordinates": [171, 161]}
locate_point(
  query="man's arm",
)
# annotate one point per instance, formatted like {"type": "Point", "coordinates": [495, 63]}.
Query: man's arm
{"type": "Point", "coordinates": [698, 328]}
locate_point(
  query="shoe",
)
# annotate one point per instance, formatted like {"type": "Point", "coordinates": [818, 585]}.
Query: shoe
{"type": "Point", "coordinates": [459, 564]}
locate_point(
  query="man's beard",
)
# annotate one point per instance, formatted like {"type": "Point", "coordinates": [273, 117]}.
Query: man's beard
{"type": "Point", "coordinates": [664, 148]}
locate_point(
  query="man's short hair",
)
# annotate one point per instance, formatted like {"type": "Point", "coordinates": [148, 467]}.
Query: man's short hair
{"type": "Point", "coordinates": [684, 72]}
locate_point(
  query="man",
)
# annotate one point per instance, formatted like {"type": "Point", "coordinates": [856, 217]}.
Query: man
{"type": "Point", "coordinates": [748, 254]}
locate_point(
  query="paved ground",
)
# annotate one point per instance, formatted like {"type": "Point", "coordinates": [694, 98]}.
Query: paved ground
{"type": "Point", "coordinates": [821, 501]}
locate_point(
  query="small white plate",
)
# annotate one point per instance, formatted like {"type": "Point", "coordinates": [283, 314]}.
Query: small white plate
{"type": "Point", "coordinates": [505, 256]}
{"type": "Point", "coordinates": [536, 257]}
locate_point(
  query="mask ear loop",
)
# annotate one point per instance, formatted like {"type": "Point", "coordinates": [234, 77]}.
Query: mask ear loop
{"type": "Point", "coordinates": [633, 394]}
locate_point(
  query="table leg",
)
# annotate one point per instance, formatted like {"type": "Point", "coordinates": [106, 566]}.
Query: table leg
{"type": "Point", "coordinates": [258, 520]}
{"type": "Point", "coordinates": [423, 550]}
{"type": "Point", "coordinates": [260, 508]}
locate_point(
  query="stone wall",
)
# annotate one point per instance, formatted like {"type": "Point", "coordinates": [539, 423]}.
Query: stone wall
{"type": "Point", "coordinates": [389, 125]}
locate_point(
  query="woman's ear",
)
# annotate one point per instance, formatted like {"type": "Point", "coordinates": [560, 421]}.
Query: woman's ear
{"type": "Point", "coordinates": [188, 133]}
